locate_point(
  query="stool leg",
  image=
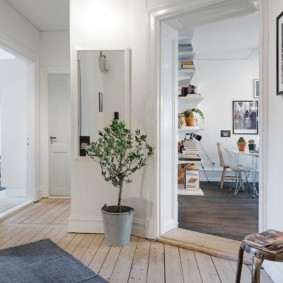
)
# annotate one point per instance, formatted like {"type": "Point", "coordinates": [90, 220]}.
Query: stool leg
{"type": "Point", "coordinates": [257, 262]}
{"type": "Point", "coordinates": [239, 266]}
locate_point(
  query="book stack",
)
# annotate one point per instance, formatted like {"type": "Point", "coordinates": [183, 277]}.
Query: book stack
{"type": "Point", "coordinates": [190, 152]}
{"type": "Point", "coordinates": [187, 64]}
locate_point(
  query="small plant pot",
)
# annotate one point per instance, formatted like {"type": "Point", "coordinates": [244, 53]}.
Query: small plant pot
{"type": "Point", "coordinates": [117, 225]}
{"type": "Point", "coordinates": [241, 146]}
{"type": "Point", "coordinates": [190, 121]}
{"type": "Point", "coordinates": [252, 146]}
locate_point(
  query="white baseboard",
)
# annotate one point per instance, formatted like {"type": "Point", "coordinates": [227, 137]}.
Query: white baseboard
{"type": "Point", "coordinates": [214, 174]}
{"type": "Point", "coordinates": [87, 224]}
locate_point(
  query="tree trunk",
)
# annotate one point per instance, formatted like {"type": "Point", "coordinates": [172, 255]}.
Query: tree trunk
{"type": "Point", "coordinates": [120, 197]}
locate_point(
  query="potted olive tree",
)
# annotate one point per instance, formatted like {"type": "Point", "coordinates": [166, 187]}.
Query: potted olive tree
{"type": "Point", "coordinates": [120, 153]}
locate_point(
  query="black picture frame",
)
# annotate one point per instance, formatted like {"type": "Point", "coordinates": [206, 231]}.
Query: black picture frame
{"type": "Point", "coordinates": [245, 117]}
{"type": "Point", "coordinates": [279, 54]}
{"type": "Point", "coordinates": [225, 133]}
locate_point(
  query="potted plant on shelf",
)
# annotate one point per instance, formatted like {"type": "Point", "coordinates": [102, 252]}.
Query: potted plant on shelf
{"type": "Point", "coordinates": [190, 117]}
{"type": "Point", "coordinates": [241, 143]}
{"type": "Point", "coordinates": [120, 153]}
{"type": "Point", "coordinates": [252, 145]}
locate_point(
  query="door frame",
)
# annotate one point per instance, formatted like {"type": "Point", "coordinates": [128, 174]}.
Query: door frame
{"type": "Point", "coordinates": [155, 18]}
{"type": "Point", "coordinates": [32, 188]}
{"type": "Point", "coordinates": [44, 135]}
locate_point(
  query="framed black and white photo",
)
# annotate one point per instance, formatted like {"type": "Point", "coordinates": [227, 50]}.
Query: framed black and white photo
{"type": "Point", "coordinates": [245, 117]}
{"type": "Point", "coordinates": [279, 54]}
{"type": "Point", "coordinates": [256, 88]}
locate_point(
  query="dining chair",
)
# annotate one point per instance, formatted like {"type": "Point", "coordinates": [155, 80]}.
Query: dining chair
{"type": "Point", "coordinates": [238, 170]}
{"type": "Point", "coordinates": [225, 167]}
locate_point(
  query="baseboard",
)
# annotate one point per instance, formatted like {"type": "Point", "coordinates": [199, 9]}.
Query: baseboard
{"type": "Point", "coordinates": [213, 174]}
{"type": "Point", "coordinates": [86, 224]}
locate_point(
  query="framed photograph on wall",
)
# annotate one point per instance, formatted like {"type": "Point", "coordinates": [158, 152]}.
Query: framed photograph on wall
{"type": "Point", "coordinates": [256, 88]}
{"type": "Point", "coordinates": [245, 117]}
{"type": "Point", "coordinates": [279, 54]}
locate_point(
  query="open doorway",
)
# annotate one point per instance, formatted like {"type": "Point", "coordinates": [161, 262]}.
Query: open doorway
{"type": "Point", "coordinates": [215, 104]}
{"type": "Point", "coordinates": [14, 131]}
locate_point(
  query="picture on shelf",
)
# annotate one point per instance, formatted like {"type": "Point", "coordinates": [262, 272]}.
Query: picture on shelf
{"type": "Point", "coordinates": [191, 179]}
{"type": "Point", "coordinates": [245, 116]}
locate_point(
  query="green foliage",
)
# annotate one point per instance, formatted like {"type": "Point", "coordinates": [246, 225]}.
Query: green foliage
{"type": "Point", "coordinates": [189, 113]}
{"type": "Point", "coordinates": [251, 141]}
{"type": "Point", "coordinates": [120, 153]}
{"type": "Point", "coordinates": [241, 139]}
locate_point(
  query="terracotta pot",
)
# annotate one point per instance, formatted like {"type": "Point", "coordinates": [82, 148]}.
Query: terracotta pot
{"type": "Point", "coordinates": [241, 146]}
{"type": "Point", "coordinates": [190, 121]}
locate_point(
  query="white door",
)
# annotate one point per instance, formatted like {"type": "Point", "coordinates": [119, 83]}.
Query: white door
{"type": "Point", "coordinates": [168, 130]}
{"type": "Point", "coordinates": [59, 134]}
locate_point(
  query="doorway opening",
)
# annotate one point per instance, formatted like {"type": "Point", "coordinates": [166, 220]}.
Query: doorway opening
{"type": "Point", "coordinates": [212, 133]}
{"type": "Point", "coordinates": [14, 131]}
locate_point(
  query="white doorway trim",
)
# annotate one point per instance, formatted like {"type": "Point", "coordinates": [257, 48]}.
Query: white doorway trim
{"type": "Point", "coordinates": [155, 20]}
{"type": "Point", "coordinates": [31, 59]}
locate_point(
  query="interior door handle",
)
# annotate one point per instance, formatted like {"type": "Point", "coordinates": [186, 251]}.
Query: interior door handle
{"type": "Point", "coordinates": [52, 139]}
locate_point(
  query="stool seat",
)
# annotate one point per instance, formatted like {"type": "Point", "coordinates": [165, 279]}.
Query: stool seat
{"type": "Point", "coordinates": [267, 245]}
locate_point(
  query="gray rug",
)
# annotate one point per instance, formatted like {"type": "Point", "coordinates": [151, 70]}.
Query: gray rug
{"type": "Point", "coordinates": [43, 261]}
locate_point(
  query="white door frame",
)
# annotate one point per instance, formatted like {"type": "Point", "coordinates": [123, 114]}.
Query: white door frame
{"type": "Point", "coordinates": [33, 192]}
{"type": "Point", "coordinates": [155, 18]}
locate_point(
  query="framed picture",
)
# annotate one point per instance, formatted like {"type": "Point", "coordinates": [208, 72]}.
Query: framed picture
{"type": "Point", "coordinates": [225, 133]}
{"type": "Point", "coordinates": [245, 117]}
{"type": "Point", "coordinates": [256, 88]}
{"type": "Point", "coordinates": [279, 54]}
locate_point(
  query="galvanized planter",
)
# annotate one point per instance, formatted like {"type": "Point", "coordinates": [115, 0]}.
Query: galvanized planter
{"type": "Point", "coordinates": [117, 226]}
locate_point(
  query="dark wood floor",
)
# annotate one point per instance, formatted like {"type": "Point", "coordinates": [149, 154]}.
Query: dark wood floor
{"type": "Point", "coordinates": [219, 212]}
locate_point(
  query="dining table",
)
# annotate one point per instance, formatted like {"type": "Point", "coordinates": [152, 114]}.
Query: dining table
{"type": "Point", "coordinates": [254, 155]}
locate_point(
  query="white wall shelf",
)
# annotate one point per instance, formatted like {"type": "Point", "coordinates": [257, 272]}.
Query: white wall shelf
{"type": "Point", "coordinates": [189, 101]}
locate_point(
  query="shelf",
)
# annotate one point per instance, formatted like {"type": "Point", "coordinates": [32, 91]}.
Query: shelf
{"type": "Point", "coordinates": [186, 55]}
{"type": "Point", "coordinates": [189, 101]}
{"type": "Point", "coordinates": [188, 129]}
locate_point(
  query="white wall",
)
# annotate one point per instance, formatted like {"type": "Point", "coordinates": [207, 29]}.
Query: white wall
{"type": "Point", "coordinates": [89, 190]}
{"type": "Point", "coordinates": [17, 31]}
{"type": "Point", "coordinates": [273, 153]}
{"type": "Point", "coordinates": [14, 133]}
{"type": "Point", "coordinates": [221, 82]}
{"type": "Point", "coordinates": [54, 58]}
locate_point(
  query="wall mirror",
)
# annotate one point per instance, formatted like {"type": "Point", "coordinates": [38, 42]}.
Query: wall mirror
{"type": "Point", "coordinates": [103, 91]}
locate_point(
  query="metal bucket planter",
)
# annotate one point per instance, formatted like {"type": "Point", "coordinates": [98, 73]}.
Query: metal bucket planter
{"type": "Point", "coordinates": [117, 225]}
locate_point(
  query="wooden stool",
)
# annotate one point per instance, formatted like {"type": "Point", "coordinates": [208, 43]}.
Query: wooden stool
{"type": "Point", "coordinates": [267, 245]}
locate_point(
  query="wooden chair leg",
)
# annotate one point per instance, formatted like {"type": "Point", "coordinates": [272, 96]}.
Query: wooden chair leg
{"type": "Point", "coordinates": [222, 177]}
{"type": "Point", "coordinates": [239, 265]}
{"type": "Point", "coordinates": [257, 262]}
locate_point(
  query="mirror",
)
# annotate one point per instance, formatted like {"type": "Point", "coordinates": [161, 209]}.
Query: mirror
{"type": "Point", "coordinates": [103, 91]}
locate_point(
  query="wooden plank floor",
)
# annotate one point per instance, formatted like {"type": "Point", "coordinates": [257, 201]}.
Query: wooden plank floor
{"type": "Point", "coordinates": [7, 203]}
{"type": "Point", "coordinates": [141, 261]}
{"type": "Point", "coordinates": [219, 212]}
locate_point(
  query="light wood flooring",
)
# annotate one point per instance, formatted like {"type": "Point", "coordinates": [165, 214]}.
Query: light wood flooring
{"type": "Point", "coordinates": [6, 203]}
{"type": "Point", "coordinates": [141, 261]}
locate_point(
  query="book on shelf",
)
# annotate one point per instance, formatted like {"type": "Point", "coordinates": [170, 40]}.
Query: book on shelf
{"type": "Point", "coordinates": [269, 240]}
{"type": "Point", "coordinates": [188, 67]}
{"type": "Point", "coordinates": [187, 62]}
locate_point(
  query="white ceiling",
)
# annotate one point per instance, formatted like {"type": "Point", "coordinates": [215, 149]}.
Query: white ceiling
{"type": "Point", "coordinates": [53, 15]}
{"type": "Point", "coordinates": [45, 15]}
